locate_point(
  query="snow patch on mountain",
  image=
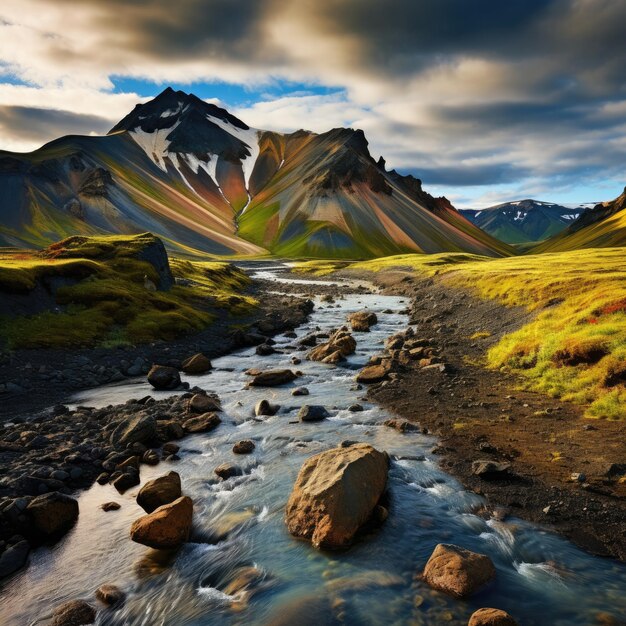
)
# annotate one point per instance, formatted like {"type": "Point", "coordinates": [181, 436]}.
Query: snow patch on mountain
{"type": "Point", "coordinates": [250, 137]}
{"type": "Point", "coordinates": [154, 144]}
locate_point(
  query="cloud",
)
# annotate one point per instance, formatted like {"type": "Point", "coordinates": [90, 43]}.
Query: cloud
{"type": "Point", "coordinates": [466, 94]}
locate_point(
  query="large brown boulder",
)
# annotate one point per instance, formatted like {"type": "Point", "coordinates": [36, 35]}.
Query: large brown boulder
{"type": "Point", "coordinates": [159, 491]}
{"type": "Point", "coordinates": [74, 613]}
{"type": "Point", "coordinates": [167, 527]}
{"type": "Point", "coordinates": [491, 617]}
{"type": "Point", "coordinates": [361, 321]}
{"type": "Point", "coordinates": [52, 514]}
{"type": "Point", "coordinates": [197, 364]}
{"type": "Point", "coordinates": [372, 374]}
{"type": "Point", "coordinates": [273, 378]}
{"type": "Point", "coordinates": [340, 341]}
{"type": "Point", "coordinates": [335, 494]}
{"type": "Point", "coordinates": [203, 403]}
{"type": "Point", "coordinates": [203, 423]}
{"type": "Point", "coordinates": [164, 377]}
{"type": "Point", "coordinates": [458, 571]}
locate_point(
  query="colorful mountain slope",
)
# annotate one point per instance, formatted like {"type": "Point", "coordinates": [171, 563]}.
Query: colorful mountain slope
{"type": "Point", "coordinates": [204, 181]}
{"type": "Point", "coordinates": [604, 226]}
{"type": "Point", "coordinates": [524, 220]}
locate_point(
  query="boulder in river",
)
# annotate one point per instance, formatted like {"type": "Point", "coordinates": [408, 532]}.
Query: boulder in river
{"type": "Point", "coordinates": [164, 377]}
{"type": "Point", "coordinates": [197, 364]}
{"type": "Point", "coordinates": [52, 514]}
{"type": "Point", "coordinates": [202, 423]}
{"type": "Point", "coordinates": [491, 617]}
{"type": "Point", "coordinates": [139, 429]}
{"type": "Point", "coordinates": [227, 470]}
{"type": "Point", "coordinates": [360, 321]}
{"type": "Point", "coordinates": [272, 378]}
{"type": "Point", "coordinates": [340, 341]}
{"type": "Point", "coordinates": [335, 494]}
{"type": "Point", "coordinates": [265, 407]}
{"type": "Point", "coordinates": [74, 613]}
{"type": "Point", "coordinates": [204, 403]}
{"type": "Point", "coordinates": [159, 491]}
{"type": "Point", "coordinates": [166, 528]}
{"type": "Point", "coordinates": [372, 374]}
{"type": "Point", "coordinates": [458, 571]}
{"type": "Point", "coordinates": [312, 413]}
{"type": "Point", "coordinates": [245, 446]}
{"type": "Point", "coordinates": [111, 595]}
{"type": "Point", "coordinates": [126, 480]}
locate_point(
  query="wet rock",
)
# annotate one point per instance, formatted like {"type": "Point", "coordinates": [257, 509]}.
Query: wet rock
{"type": "Point", "coordinates": [164, 377]}
{"type": "Point", "coordinates": [170, 448]}
{"type": "Point", "coordinates": [203, 403]}
{"type": "Point", "coordinates": [402, 426]}
{"type": "Point", "coordinates": [362, 320]}
{"type": "Point", "coordinates": [103, 478]}
{"type": "Point", "coordinates": [159, 491]}
{"type": "Point", "coordinates": [312, 413]}
{"type": "Point", "coordinates": [111, 595]}
{"type": "Point", "coordinates": [264, 407]}
{"type": "Point", "coordinates": [372, 374]}
{"type": "Point", "coordinates": [457, 571]}
{"type": "Point", "coordinates": [167, 527]}
{"type": "Point", "coordinates": [227, 470]}
{"type": "Point", "coordinates": [264, 349]}
{"type": "Point", "coordinates": [491, 617]}
{"type": "Point", "coordinates": [335, 494]}
{"type": "Point", "coordinates": [300, 391]}
{"type": "Point", "coordinates": [14, 558]}
{"type": "Point", "coordinates": [490, 470]}
{"type": "Point", "coordinates": [245, 446]}
{"type": "Point", "coordinates": [110, 506]}
{"type": "Point", "coordinates": [150, 457]}
{"type": "Point", "coordinates": [197, 364]}
{"type": "Point", "coordinates": [74, 613]}
{"type": "Point", "coordinates": [341, 341]}
{"type": "Point", "coordinates": [52, 514]}
{"type": "Point", "coordinates": [202, 423]}
{"type": "Point", "coordinates": [303, 611]}
{"type": "Point", "coordinates": [273, 378]}
{"type": "Point", "coordinates": [139, 429]}
{"type": "Point", "coordinates": [127, 480]}
{"type": "Point", "coordinates": [355, 408]}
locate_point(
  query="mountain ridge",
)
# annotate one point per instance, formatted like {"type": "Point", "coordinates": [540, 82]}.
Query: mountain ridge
{"type": "Point", "coordinates": [203, 180]}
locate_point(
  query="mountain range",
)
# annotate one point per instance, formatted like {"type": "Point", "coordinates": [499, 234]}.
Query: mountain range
{"type": "Point", "coordinates": [204, 181]}
{"type": "Point", "coordinates": [524, 221]}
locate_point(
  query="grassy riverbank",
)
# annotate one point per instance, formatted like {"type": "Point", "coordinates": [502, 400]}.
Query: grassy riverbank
{"type": "Point", "coordinates": [107, 291]}
{"type": "Point", "coordinates": [575, 346]}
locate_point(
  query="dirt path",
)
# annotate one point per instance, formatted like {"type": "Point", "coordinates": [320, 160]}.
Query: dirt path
{"type": "Point", "coordinates": [479, 414]}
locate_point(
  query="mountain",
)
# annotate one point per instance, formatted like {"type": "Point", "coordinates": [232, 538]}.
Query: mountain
{"type": "Point", "coordinates": [203, 180]}
{"type": "Point", "coordinates": [524, 220]}
{"type": "Point", "coordinates": [604, 226]}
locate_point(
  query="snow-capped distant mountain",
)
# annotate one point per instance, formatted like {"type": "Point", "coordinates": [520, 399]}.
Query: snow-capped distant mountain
{"type": "Point", "coordinates": [524, 221]}
{"type": "Point", "coordinates": [200, 178]}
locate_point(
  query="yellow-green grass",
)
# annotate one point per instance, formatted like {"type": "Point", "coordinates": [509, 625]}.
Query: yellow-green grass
{"type": "Point", "coordinates": [574, 348]}
{"type": "Point", "coordinates": [105, 301]}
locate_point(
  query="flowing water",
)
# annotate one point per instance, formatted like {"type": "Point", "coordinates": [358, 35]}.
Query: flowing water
{"type": "Point", "coordinates": [542, 578]}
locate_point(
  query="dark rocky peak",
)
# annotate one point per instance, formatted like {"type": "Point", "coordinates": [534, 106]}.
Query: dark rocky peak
{"type": "Point", "coordinates": [170, 107]}
{"type": "Point", "coordinates": [381, 164]}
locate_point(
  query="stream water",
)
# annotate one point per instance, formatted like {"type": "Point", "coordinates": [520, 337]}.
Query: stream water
{"type": "Point", "coordinates": [541, 578]}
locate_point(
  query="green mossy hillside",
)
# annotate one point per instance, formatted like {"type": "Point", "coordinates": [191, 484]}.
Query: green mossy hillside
{"type": "Point", "coordinates": [107, 296]}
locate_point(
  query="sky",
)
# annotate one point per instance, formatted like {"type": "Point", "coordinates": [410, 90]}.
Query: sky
{"type": "Point", "coordinates": [485, 100]}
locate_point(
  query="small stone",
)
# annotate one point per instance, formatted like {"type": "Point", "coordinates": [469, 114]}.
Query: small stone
{"type": "Point", "coordinates": [74, 613]}
{"type": "Point", "coordinates": [246, 446]}
{"type": "Point", "coordinates": [312, 413]}
{"type": "Point", "coordinates": [111, 595]}
{"type": "Point", "coordinates": [110, 506]}
{"type": "Point", "coordinates": [491, 617]}
{"type": "Point", "coordinates": [227, 470]}
{"type": "Point", "coordinates": [300, 391]}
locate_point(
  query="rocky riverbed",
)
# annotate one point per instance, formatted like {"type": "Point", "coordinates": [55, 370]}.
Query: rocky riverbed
{"type": "Point", "coordinates": [250, 446]}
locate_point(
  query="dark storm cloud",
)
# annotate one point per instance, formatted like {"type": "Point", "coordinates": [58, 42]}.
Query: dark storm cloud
{"type": "Point", "coordinates": [46, 124]}
{"type": "Point", "coordinates": [468, 175]}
